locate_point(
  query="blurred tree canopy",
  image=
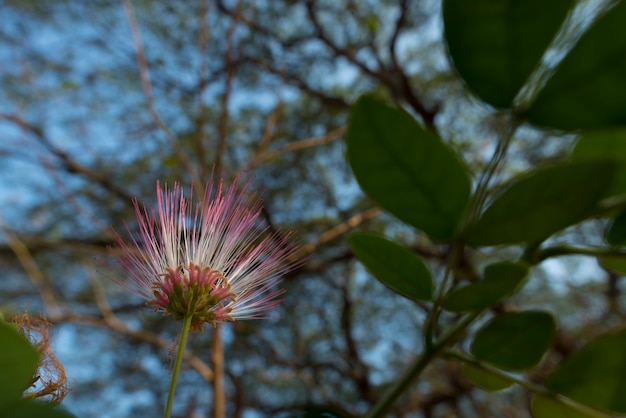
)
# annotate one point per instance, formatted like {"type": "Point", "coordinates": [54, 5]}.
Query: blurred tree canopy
{"type": "Point", "coordinates": [100, 99]}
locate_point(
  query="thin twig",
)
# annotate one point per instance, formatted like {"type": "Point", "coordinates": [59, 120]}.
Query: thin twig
{"type": "Point", "coordinates": [146, 84]}
{"type": "Point", "coordinates": [229, 69]}
{"type": "Point", "coordinates": [204, 37]}
{"type": "Point", "coordinates": [36, 276]}
{"type": "Point", "coordinates": [338, 230]}
{"type": "Point", "coordinates": [263, 156]}
{"type": "Point", "coordinates": [69, 164]}
{"type": "Point", "coordinates": [219, 397]}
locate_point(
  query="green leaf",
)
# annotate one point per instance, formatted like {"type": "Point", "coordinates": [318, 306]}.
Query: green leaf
{"type": "Point", "coordinates": [544, 407]}
{"type": "Point", "coordinates": [32, 409]}
{"type": "Point", "coordinates": [496, 44]}
{"type": "Point", "coordinates": [395, 266]}
{"type": "Point", "coordinates": [614, 263]}
{"type": "Point", "coordinates": [485, 379]}
{"type": "Point", "coordinates": [542, 202]}
{"type": "Point", "coordinates": [588, 89]}
{"type": "Point", "coordinates": [605, 145]}
{"type": "Point", "coordinates": [18, 362]}
{"type": "Point", "coordinates": [405, 169]}
{"type": "Point", "coordinates": [515, 340]}
{"type": "Point", "coordinates": [596, 374]}
{"type": "Point", "coordinates": [616, 234]}
{"type": "Point", "coordinates": [501, 281]}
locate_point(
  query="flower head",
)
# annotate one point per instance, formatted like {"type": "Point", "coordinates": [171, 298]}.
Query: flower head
{"type": "Point", "coordinates": [215, 260]}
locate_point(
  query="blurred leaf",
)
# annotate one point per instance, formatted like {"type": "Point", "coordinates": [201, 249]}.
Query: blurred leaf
{"type": "Point", "coordinates": [405, 169]}
{"type": "Point", "coordinates": [18, 362]}
{"type": "Point", "coordinates": [496, 44]}
{"type": "Point", "coordinates": [616, 234]}
{"type": "Point", "coordinates": [543, 202]}
{"type": "Point", "coordinates": [596, 374]}
{"type": "Point", "coordinates": [544, 407]}
{"type": "Point", "coordinates": [393, 265]}
{"type": "Point", "coordinates": [501, 281]}
{"type": "Point", "coordinates": [515, 340]}
{"type": "Point", "coordinates": [32, 409]}
{"type": "Point", "coordinates": [605, 145]}
{"type": "Point", "coordinates": [485, 379]}
{"type": "Point", "coordinates": [614, 263]}
{"type": "Point", "coordinates": [588, 89]}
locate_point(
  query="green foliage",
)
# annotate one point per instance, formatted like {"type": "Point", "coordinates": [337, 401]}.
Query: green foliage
{"type": "Point", "coordinates": [485, 379]}
{"type": "Point", "coordinates": [495, 47]}
{"type": "Point", "coordinates": [616, 234]}
{"type": "Point", "coordinates": [544, 407]}
{"type": "Point", "coordinates": [18, 362]}
{"type": "Point", "coordinates": [544, 201]}
{"type": "Point", "coordinates": [393, 265]}
{"type": "Point", "coordinates": [515, 340]}
{"type": "Point", "coordinates": [501, 280]}
{"type": "Point", "coordinates": [605, 145]}
{"type": "Point", "coordinates": [32, 409]}
{"type": "Point", "coordinates": [594, 375]}
{"type": "Point", "coordinates": [614, 263]}
{"type": "Point", "coordinates": [496, 44]}
{"type": "Point", "coordinates": [588, 89]}
{"type": "Point", "coordinates": [405, 169]}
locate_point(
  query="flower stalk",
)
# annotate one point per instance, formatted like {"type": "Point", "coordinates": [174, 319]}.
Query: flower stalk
{"type": "Point", "coordinates": [177, 363]}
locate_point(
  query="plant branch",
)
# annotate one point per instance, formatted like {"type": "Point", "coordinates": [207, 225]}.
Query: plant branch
{"type": "Point", "coordinates": [564, 250]}
{"type": "Point", "coordinates": [338, 230]}
{"type": "Point", "coordinates": [203, 41]}
{"type": "Point", "coordinates": [146, 84]}
{"type": "Point", "coordinates": [229, 71]}
{"type": "Point", "coordinates": [480, 195]}
{"type": "Point", "coordinates": [412, 373]}
{"type": "Point", "coordinates": [530, 387]}
{"type": "Point", "coordinates": [36, 276]}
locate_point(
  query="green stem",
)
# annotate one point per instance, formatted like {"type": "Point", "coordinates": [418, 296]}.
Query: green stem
{"type": "Point", "coordinates": [480, 195]}
{"type": "Point", "coordinates": [433, 349]}
{"type": "Point", "coordinates": [179, 359]}
{"type": "Point", "coordinates": [530, 387]}
{"type": "Point", "coordinates": [430, 324]}
{"type": "Point", "coordinates": [449, 337]}
{"type": "Point", "coordinates": [563, 250]}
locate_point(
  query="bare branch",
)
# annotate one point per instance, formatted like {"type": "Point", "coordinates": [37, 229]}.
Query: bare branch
{"type": "Point", "coordinates": [229, 70]}
{"type": "Point", "coordinates": [69, 164]}
{"type": "Point", "coordinates": [349, 54]}
{"type": "Point", "coordinates": [339, 230]}
{"type": "Point", "coordinates": [36, 276]}
{"type": "Point", "coordinates": [263, 156]}
{"type": "Point", "coordinates": [395, 79]}
{"type": "Point", "coordinates": [293, 80]}
{"type": "Point", "coordinates": [202, 85]}
{"type": "Point", "coordinates": [359, 370]}
{"type": "Point", "coordinates": [217, 358]}
{"type": "Point", "coordinates": [146, 85]}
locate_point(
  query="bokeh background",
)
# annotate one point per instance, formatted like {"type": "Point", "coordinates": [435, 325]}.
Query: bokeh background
{"type": "Point", "coordinates": [99, 99]}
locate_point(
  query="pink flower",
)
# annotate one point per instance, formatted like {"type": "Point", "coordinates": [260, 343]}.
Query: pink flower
{"type": "Point", "coordinates": [215, 260]}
